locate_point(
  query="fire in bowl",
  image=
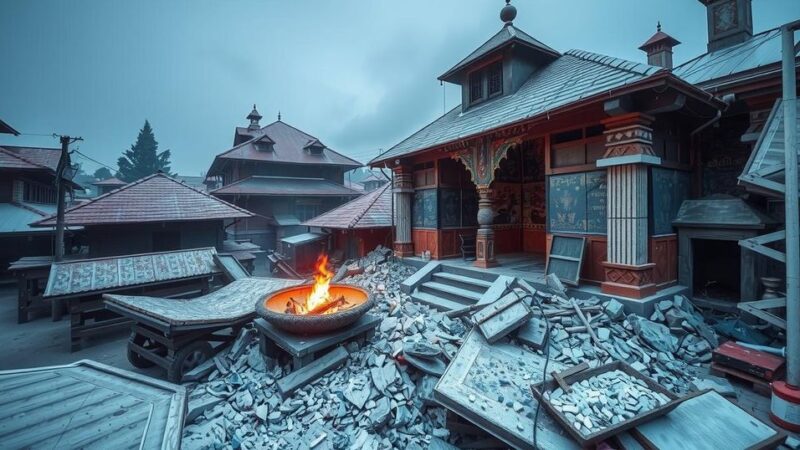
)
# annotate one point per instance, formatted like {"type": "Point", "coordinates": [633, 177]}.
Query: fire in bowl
{"type": "Point", "coordinates": [315, 308]}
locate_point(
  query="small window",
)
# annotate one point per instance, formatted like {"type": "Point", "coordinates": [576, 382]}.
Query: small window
{"type": "Point", "coordinates": [476, 87]}
{"type": "Point", "coordinates": [495, 79]}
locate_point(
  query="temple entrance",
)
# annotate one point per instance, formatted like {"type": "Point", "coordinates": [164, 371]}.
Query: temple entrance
{"type": "Point", "coordinates": [520, 211]}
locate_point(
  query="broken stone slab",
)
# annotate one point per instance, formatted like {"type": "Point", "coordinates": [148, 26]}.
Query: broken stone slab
{"type": "Point", "coordinates": [533, 333]}
{"type": "Point", "coordinates": [381, 413]}
{"type": "Point", "coordinates": [200, 406]}
{"type": "Point", "coordinates": [615, 310]}
{"type": "Point", "coordinates": [421, 349]}
{"type": "Point", "coordinates": [435, 367]}
{"type": "Point", "coordinates": [555, 285]}
{"type": "Point", "coordinates": [655, 334]}
{"type": "Point", "coordinates": [719, 384]}
{"type": "Point", "coordinates": [312, 372]}
{"type": "Point", "coordinates": [199, 372]}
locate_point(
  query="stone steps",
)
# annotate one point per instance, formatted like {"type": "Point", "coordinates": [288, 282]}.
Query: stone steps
{"type": "Point", "coordinates": [446, 288]}
{"type": "Point", "coordinates": [463, 282]}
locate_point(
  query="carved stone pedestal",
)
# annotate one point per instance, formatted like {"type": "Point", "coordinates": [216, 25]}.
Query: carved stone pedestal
{"type": "Point", "coordinates": [484, 242]}
{"type": "Point", "coordinates": [629, 281]}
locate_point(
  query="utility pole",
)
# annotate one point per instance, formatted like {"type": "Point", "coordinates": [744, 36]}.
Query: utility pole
{"type": "Point", "coordinates": [64, 168]}
{"type": "Point", "coordinates": [785, 406]}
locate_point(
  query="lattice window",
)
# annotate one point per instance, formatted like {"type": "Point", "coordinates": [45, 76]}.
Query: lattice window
{"type": "Point", "coordinates": [495, 79]}
{"type": "Point", "coordinates": [38, 193]}
{"type": "Point", "coordinates": [476, 87]}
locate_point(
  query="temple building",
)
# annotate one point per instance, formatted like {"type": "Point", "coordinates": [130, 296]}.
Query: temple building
{"type": "Point", "coordinates": [548, 143]}
{"type": "Point", "coordinates": [283, 175]}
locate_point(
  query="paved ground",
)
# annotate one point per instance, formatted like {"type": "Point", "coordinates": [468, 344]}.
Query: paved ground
{"type": "Point", "coordinates": [42, 342]}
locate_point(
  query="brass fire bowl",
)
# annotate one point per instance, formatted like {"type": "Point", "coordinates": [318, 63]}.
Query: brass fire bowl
{"type": "Point", "coordinates": [272, 308]}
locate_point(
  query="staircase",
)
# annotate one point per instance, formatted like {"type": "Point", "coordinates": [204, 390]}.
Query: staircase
{"type": "Point", "coordinates": [447, 288]}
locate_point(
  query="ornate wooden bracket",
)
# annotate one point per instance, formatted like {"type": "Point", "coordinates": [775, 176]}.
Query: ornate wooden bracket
{"type": "Point", "coordinates": [482, 159]}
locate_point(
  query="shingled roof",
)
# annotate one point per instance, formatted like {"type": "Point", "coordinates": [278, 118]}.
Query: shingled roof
{"type": "Point", "coordinates": [113, 181]}
{"type": "Point", "coordinates": [575, 76]}
{"type": "Point", "coordinates": [155, 198]}
{"type": "Point", "coordinates": [29, 157]}
{"type": "Point", "coordinates": [289, 147]}
{"type": "Point", "coordinates": [283, 186]}
{"type": "Point", "coordinates": [507, 35]}
{"type": "Point", "coordinates": [372, 210]}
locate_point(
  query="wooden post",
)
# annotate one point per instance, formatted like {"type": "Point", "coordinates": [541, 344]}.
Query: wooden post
{"type": "Point", "coordinates": [403, 192]}
{"type": "Point", "coordinates": [484, 243]}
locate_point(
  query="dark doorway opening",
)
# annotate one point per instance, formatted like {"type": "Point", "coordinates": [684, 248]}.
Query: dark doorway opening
{"type": "Point", "coordinates": [717, 269]}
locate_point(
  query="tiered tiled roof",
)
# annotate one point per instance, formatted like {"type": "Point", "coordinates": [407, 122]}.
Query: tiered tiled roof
{"type": "Point", "coordinates": [372, 210]}
{"type": "Point", "coordinates": [155, 198]}
{"type": "Point", "coordinates": [289, 146]}
{"type": "Point", "coordinates": [285, 186]}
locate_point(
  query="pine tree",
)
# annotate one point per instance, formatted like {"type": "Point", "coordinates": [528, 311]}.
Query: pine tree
{"type": "Point", "coordinates": [143, 158]}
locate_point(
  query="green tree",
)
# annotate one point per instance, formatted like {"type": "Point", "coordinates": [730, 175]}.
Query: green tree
{"type": "Point", "coordinates": [102, 173]}
{"type": "Point", "coordinates": [143, 158]}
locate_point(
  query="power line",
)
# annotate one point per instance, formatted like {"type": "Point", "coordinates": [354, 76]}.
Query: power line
{"type": "Point", "coordinates": [95, 161]}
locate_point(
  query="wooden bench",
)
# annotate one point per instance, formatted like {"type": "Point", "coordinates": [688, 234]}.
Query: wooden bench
{"type": "Point", "coordinates": [80, 285]}
{"type": "Point", "coordinates": [176, 334]}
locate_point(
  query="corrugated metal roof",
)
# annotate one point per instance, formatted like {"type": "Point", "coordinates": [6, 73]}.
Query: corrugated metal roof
{"type": "Point", "coordinates": [289, 147]}
{"type": "Point", "coordinates": [763, 49]}
{"type": "Point", "coordinates": [507, 35]}
{"type": "Point", "coordinates": [89, 405]}
{"type": "Point", "coordinates": [372, 210]}
{"type": "Point", "coordinates": [574, 76]}
{"type": "Point", "coordinates": [155, 198]}
{"type": "Point", "coordinates": [285, 186]}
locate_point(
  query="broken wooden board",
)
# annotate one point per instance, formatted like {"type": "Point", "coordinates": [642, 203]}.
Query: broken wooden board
{"type": "Point", "coordinates": [489, 385]}
{"type": "Point", "coordinates": [707, 422]}
{"type": "Point", "coordinates": [533, 333]}
{"type": "Point", "coordinates": [502, 317]}
{"type": "Point", "coordinates": [312, 372]}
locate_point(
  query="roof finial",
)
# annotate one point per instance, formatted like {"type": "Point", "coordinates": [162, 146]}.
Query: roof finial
{"type": "Point", "coordinates": [279, 116]}
{"type": "Point", "coordinates": [658, 27]}
{"type": "Point", "coordinates": [254, 117]}
{"type": "Point", "coordinates": [508, 13]}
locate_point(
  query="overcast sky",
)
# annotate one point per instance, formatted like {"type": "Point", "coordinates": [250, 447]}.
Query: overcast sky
{"type": "Point", "coordinates": [360, 75]}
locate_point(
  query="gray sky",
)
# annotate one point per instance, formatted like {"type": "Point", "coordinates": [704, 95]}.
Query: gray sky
{"type": "Point", "coordinates": [359, 75]}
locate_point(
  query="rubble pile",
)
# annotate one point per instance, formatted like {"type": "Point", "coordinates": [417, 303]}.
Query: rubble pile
{"type": "Point", "coordinates": [604, 400]}
{"type": "Point", "coordinates": [373, 401]}
{"type": "Point", "coordinates": [382, 397]}
{"type": "Point", "coordinates": [668, 348]}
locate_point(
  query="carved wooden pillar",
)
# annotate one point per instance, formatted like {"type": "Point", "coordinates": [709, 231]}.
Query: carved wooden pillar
{"type": "Point", "coordinates": [403, 193]}
{"type": "Point", "coordinates": [484, 243]}
{"type": "Point", "coordinates": [628, 152]}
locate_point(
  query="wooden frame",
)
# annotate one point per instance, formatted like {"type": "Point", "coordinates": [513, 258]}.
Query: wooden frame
{"type": "Point", "coordinates": [759, 309]}
{"type": "Point", "coordinates": [586, 440]}
{"type": "Point", "coordinates": [578, 260]}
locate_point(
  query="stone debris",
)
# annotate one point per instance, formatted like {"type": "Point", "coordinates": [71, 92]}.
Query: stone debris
{"type": "Point", "coordinates": [376, 400]}
{"type": "Point", "coordinates": [382, 396]}
{"type": "Point", "coordinates": [604, 400]}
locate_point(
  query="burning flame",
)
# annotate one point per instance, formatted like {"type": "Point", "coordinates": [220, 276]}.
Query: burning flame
{"type": "Point", "coordinates": [322, 282]}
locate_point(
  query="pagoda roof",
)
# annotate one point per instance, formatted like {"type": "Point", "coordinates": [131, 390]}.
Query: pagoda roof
{"type": "Point", "coordinates": [289, 146]}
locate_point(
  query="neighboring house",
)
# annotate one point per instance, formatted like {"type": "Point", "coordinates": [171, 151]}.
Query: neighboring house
{"type": "Point", "coordinates": [27, 194]}
{"type": "Point", "coordinates": [108, 185]}
{"type": "Point", "coordinates": [197, 182]}
{"type": "Point", "coordinates": [283, 175]}
{"type": "Point", "coordinates": [373, 181]}
{"type": "Point", "coordinates": [587, 145]}
{"type": "Point", "coordinates": [155, 213]}
{"type": "Point", "coordinates": [358, 226]}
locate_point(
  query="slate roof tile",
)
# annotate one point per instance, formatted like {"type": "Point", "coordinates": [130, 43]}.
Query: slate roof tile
{"type": "Point", "coordinates": [285, 186]}
{"type": "Point", "coordinates": [371, 210]}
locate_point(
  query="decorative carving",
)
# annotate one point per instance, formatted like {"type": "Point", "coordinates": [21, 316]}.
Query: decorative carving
{"type": "Point", "coordinates": [483, 159]}
{"type": "Point", "coordinates": [634, 139]}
